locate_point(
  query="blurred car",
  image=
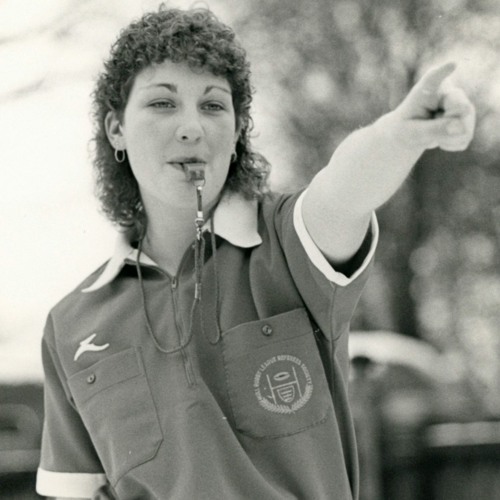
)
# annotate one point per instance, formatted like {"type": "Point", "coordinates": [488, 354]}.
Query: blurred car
{"type": "Point", "coordinates": [21, 418]}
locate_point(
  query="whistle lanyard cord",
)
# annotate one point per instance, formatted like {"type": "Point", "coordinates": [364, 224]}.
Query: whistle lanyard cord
{"type": "Point", "coordinates": [199, 247]}
{"type": "Point", "coordinates": [199, 264]}
{"type": "Point", "coordinates": [147, 320]}
{"type": "Point", "coordinates": [199, 256]}
{"type": "Point", "coordinates": [216, 281]}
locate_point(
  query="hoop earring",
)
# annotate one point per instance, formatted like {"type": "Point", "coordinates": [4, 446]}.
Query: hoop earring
{"type": "Point", "coordinates": [120, 158]}
{"type": "Point", "coordinates": [234, 156]}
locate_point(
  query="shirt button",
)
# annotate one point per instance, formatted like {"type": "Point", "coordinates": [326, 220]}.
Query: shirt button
{"type": "Point", "coordinates": [91, 378]}
{"type": "Point", "coordinates": [267, 330]}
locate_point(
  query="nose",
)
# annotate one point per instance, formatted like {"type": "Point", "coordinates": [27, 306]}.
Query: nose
{"type": "Point", "coordinates": [189, 131]}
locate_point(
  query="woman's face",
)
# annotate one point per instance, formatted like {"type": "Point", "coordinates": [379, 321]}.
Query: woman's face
{"type": "Point", "coordinates": [175, 116]}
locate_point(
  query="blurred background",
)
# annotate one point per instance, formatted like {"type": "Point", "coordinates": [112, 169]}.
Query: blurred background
{"type": "Point", "coordinates": [426, 346]}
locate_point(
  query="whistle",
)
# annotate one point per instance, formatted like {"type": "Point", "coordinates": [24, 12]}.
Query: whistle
{"type": "Point", "coordinates": [195, 173]}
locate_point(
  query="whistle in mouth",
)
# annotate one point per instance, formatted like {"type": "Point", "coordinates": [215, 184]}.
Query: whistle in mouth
{"type": "Point", "coordinates": [195, 173]}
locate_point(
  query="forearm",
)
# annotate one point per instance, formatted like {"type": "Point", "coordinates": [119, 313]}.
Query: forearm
{"type": "Point", "coordinates": [372, 163]}
{"type": "Point", "coordinates": [363, 173]}
{"type": "Point", "coordinates": [366, 169]}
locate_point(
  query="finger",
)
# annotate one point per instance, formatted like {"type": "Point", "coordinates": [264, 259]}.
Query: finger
{"type": "Point", "coordinates": [432, 80]}
{"type": "Point", "coordinates": [454, 146]}
{"type": "Point", "coordinates": [457, 143]}
{"type": "Point", "coordinates": [424, 99]}
{"type": "Point", "coordinates": [447, 132]}
{"type": "Point", "coordinates": [456, 103]}
{"type": "Point", "coordinates": [458, 138]}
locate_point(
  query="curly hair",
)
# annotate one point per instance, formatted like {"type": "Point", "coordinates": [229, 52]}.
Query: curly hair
{"type": "Point", "coordinates": [195, 37]}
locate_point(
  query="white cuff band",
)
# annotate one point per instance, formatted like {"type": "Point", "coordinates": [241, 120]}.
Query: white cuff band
{"type": "Point", "coordinates": [317, 257]}
{"type": "Point", "coordinates": [68, 484]}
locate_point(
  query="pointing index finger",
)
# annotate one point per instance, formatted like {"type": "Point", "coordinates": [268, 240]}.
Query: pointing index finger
{"type": "Point", "coordinates": [432, 80]}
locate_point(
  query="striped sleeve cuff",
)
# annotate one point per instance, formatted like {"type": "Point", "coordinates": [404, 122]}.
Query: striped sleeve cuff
{"type": "Point", "coordinates": [68, 484]}
{"type": "Point", "coordinates": [317, 257]}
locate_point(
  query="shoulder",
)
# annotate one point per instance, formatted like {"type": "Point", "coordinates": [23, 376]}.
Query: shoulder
{"type": "Point", "coordinates": [70, 304]}
{"type": "Point", "coordinates": [77, 291]}
{"type": "Point", "coordinates": [275, 207]}
{"type": "Point", "coordinates": [277, 200]}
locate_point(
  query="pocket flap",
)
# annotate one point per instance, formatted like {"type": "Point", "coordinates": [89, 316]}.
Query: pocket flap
{"type": "Point", "coordinates": [286, 326]}
{"type": "Point", "coordinates": [105, 373]}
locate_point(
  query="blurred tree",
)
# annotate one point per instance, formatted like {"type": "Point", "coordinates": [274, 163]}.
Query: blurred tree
{"type": "Point", "coordinates": [328, 67]}
{"type": "Point", "coordinates": [341, 64]}
{"type": "Point", "coordinates": [42, 48]}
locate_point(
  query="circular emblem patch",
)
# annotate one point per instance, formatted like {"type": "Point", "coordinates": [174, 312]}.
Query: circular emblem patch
{"type": "Point", "coordinates": [283, 384]}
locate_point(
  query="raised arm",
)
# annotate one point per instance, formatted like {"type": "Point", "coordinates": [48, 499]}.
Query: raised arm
{"type": "Point", "coordinates": [371, 164]}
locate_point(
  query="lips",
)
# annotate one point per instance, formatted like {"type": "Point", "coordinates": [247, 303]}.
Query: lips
{"type": "Point", "coordinates": [184, 161]}
{"type": "Point", "coordinates": [193, 167]}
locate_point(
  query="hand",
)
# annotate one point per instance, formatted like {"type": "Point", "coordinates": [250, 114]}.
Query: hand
{"type": "Point", "coordinates": [435, 113]}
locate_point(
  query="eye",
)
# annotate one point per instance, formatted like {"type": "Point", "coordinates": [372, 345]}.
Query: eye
{"type": "Point", "coordinates": [162, 104]}
{"type": "Point", "coordinates": [213, 106]}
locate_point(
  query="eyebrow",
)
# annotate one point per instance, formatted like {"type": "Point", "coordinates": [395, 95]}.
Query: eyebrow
{"type": "Point", "coordinates": [210, 87]}
{"type": "Point", "coordinates": [173, 88]}
{"type": "Point", "coordinates": [169, 86]}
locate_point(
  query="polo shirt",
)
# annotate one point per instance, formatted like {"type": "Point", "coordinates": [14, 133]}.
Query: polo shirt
{"type": "Point", "coordinates": [245, 398]}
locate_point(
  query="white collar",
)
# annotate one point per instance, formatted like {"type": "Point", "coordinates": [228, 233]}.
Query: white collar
{"type": "Point", "coordinates": [235, 220]}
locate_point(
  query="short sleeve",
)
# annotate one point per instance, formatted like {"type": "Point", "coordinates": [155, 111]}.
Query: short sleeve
{"type": "Point", "coordinates": [69, 466]}
{"type": "Point", "coordinates": [364, 259]}
{"type": "Point", "coordinates": [329, 295]}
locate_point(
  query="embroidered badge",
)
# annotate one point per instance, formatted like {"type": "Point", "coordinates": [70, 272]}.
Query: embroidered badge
{"type": "Point", "coordinates": [283, 384]}
{"type": "Point", "coordinates": [86, 345]}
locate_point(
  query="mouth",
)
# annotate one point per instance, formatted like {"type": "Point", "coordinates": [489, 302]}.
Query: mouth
{"type": "Point", "coordinates": [193, 167]}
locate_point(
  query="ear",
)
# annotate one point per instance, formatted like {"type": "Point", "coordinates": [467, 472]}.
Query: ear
{"type": "Point", "coordinates": [114, 130]}
{"type": "Point", "coordinates": [237, 132]}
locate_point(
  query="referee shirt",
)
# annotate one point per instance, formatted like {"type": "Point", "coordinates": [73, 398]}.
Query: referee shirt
{"type": "Point", "coordinates": [254, 406]}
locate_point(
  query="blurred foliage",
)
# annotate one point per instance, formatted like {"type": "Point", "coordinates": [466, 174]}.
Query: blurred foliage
{"type": "Point", "coordinates": [330, 66]}
{"type": "Point", "coordinates": [338, 65]}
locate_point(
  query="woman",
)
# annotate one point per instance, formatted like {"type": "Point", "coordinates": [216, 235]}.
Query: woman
{"type": "Point", "coordinates": [208, 357]}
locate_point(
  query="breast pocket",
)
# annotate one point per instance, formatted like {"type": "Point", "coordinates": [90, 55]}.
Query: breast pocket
{"type": "Point", "coordinates": [275, 379]}
{"type": "Point", "coordinates": [115, 403]}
